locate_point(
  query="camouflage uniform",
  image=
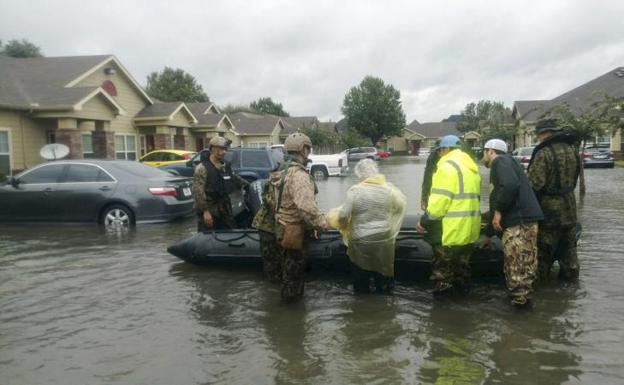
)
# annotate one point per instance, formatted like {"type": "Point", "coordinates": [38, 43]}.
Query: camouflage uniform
{"type": "Point", "coordinates": [208, 198]}
{"type": "Point", "coordinates": [520, 249]}
{"type": "Point", "coordinates": [294, 196]}
{"type": "Point", "coordinates": [553, 173]}
{"type": "Point", "coordinates": [264, 221]}
{"type": "Point", "coordinates": [450, 268]}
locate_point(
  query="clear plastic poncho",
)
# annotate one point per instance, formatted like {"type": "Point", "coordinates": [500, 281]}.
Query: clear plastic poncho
{"type": "Point", "coordinates": [369, 222]}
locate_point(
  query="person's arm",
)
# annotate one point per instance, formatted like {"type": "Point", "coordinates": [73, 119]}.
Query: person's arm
{"type": "Point", "coordinates": [302, 192]}
{"type": "Point", "coordinates": [344, 214]}
{"type": "Point", "coordinates": [443, 186]}
{"type": "Point", "coordinates": [199, 184]}
{"type": "Point", "coordinates": [539, 171]}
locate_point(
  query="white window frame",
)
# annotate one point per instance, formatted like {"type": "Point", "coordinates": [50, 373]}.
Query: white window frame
{"type": "Point", "coordinates": [142, 145]}
{"type": "Point", "coordinates": [125, 150]}
{"type": "Point", "coordinates": [8, 131]}
{"type": "Point", "coordinates": [84, 152]}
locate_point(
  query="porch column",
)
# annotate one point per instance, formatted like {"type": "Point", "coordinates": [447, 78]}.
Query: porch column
{"type": "Point", "coordinates": [68, 134]}
{"type": "Point", "coordinates": [103, 141]}
{"type": "Point", "coordinates": [616, 144]}
{"type": "Point", "coordinates": [162, 138]}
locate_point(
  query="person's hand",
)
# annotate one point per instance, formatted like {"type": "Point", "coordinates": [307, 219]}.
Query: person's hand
{"type": "Point", "coordinates": [420, 228]}
{"type": "Point", "coordinates": [496, 221]}
{"type": "Point", "coordinates": [423, 205]}
{"type": "Point", "coordinates": [485, 243]}
{"type": "Point", "coordinates": [208, 221]}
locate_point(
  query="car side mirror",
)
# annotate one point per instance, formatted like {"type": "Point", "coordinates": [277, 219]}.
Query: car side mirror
{"type": "Point", "coordinates": [14, 182]}
{"type": "Point", "coordinates": [189, 163]}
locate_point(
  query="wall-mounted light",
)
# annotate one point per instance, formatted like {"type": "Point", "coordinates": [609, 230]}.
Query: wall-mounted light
{"type": "Point", "coordinates": [109, 71]}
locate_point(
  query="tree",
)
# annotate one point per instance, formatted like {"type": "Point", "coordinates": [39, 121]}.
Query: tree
{"type": "Point", "coordinates": [23, 48]}
{"type": "Point", "coordinates": [234, 108]}
{"type": "Point", "coordinates": [352, 138]}
{"type": "Point", "coordinates": [610, 112]}
{"type": "Point", "coordinates": [374, 109]}
{"type": "Point", "coordinates": [488, 118]}
{"type": "Point", "coordinates": [174, 85]}
{"type": "Point", "coordinates": [268, 106]}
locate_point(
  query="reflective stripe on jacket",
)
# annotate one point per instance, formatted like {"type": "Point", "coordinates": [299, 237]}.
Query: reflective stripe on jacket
{"type": "Point", "coordinates": [455, 192]}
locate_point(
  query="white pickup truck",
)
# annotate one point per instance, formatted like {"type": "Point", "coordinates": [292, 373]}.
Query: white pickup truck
{"type": "Point", "coordinates": [323, 166]}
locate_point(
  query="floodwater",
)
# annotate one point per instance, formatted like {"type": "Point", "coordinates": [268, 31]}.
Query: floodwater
{"type": "Point", "coordinates": [79, 305]}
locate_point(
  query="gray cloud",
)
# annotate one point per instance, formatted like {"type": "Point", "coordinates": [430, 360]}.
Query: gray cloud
{"type": "Point", "coordinates": [307, 55]}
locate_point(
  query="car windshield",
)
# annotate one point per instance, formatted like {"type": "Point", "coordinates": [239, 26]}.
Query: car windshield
{"type": "Point", "coordinates": [526, 151]}
{"type": "Point", "coordinates": [139, 169]}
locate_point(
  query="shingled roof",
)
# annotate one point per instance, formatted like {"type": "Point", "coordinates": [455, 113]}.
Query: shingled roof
{"type": "Point", "coordinates": [163, 111]}
{"type": "Point", "coordinates": [435, 129]}
{"type": "Point", "coordinates": [295, 123]}
{"type": "Point", "coordinates": [254, 124]}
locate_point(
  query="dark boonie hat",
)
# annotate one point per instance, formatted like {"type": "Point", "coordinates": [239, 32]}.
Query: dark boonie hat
{"type": "Point", "coordinates": [544, 125]}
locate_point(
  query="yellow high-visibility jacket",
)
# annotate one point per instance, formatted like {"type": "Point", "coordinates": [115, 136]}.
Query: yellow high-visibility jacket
{"type": "Point", "coordinates": [455, 192]}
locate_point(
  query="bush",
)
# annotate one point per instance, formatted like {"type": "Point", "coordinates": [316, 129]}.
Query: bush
{"type": "Point", "coordinates": [3, 178]}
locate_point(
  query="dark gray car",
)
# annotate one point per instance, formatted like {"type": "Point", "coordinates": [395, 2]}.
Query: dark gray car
{"type": "Point", "coordinates": [111, 192]}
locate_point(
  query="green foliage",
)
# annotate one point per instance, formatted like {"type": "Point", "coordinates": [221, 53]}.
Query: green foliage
{"type": "Point", "coordinates": [20, 48]}
{"type": "Point", "coordinates": [352, 138]}
{"type": "Point", "coordinates": [488, 119]}
{"type": "Point", "coordinates": [322, 138]}
{"type": "Point", "coordinates": [374, 109]}
{"type": "Point", "coordinates": [234, 108]}
{"type": "Point", "coordinates": [174, 85]}
{"type": "Point", "coordinates": [610, 113]}
{"type": "Point", "coordinates": [268, 106]}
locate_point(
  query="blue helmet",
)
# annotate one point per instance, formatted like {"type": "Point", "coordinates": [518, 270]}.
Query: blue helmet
{"type": "Point", "coordinates": [450, 141]}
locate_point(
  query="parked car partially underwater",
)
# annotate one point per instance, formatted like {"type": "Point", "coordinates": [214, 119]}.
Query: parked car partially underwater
{"type": "Point", "coordinates": [111, 192]}
{"type": "Point", "coordinates": [358, 153]}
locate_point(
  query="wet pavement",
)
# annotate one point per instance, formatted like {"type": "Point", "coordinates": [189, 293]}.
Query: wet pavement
{"type": "Point", "coordinates": [80, 305]}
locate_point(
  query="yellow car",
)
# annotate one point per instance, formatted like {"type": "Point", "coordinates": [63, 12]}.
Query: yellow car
{"type": "Point", "coordinates": [161, 158]}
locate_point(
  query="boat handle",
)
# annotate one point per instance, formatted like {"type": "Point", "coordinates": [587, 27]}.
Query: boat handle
{"type": "Point", "coordinates": [236, 244]}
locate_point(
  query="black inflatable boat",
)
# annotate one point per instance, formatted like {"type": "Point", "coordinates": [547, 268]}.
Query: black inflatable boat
{"type": "Point", "coordinates": [241, 247]}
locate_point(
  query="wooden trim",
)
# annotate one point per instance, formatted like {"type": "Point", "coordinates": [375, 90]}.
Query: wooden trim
{"type": "Point", "coordinates": [78, 106]}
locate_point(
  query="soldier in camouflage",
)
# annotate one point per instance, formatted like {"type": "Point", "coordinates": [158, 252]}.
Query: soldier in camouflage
{"type": "Point", "coordinates": [213, 181]}
{"type": "Point", "coordinates": [264, 221]}
{"type": "Point", "coordinates": [553, 173]}
{"type": "Point", "coordinates": [515, 212]}
{"type": "Point", "coordinates": [297, 215]}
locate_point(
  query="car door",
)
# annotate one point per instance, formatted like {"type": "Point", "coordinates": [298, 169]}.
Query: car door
{"type": "Point", "coordinates": [82, 191]}
{"type": "Point", "coordinates": [33, 195]}
{"type": "Point", "coordinates": [154, 159]}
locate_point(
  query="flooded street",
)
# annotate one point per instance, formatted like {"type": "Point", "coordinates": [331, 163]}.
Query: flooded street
{"type": "Point", "coordinates": [80, 305]}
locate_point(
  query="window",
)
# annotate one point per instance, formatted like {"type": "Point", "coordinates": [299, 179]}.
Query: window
{"type": "Point", "coordinates": [86, 173]}
{"type": "Point", "coordinates": [153, 157]}
{"type": "Point", "coordinates": [142, 145]}
{"type": "Point", "coordinates": [5, 153]}
{"type": "Point", "coordinates": [255, 159]}
{"type": "Point", "coordinates": [44, 174]}
{"type": "Point", "coordinates": [51, 137]}
{"type": "Point", "coordinates": [125, 147]}
{"type": "Point", "coordinates": [87, 146]}
{"type": "Point", "coordinates": [258, 145]}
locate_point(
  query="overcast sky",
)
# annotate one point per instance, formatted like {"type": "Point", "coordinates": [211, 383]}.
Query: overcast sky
{"type": "Point", "coordinates": [307, 54]}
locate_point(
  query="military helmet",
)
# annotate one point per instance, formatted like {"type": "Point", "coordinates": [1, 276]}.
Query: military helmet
{"type": "Point", "coordinates": [219, 141]}
{"type": "Point", "coordinates": [450, 141]}
{"type": "Point", "coordinates": [296, 142]}
{"type": "Point", "coordinates": [544, 125]}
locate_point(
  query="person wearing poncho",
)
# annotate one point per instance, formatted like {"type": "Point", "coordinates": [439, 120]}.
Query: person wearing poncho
{"type": "Point", "coordinates": [369, 222]}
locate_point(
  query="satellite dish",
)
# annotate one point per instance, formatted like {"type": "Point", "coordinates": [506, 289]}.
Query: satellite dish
{"type": "Point", "coordinates": [54, 151]}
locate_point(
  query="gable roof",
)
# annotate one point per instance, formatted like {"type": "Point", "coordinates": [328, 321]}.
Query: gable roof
{"type": "Point", "coordinates": [47, 82]}
{"type": "Point", "coordinates": [583, 97]}
{"type": "Point", "coordinates": [295, 123]}
{"type": "Point", "coordinates": [164, 111]}
{"type": "Point", "coordinates": [247, 123]}
{"type": "Point", "coordinates": [202, 108]}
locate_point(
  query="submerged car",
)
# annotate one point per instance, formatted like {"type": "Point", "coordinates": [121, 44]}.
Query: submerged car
{"type": "Point", "coordinates": [597, 157]}
{"type": "Point", "coordinates": [160, 158]}
{"type": "Point", "coordinates": [110, 192]}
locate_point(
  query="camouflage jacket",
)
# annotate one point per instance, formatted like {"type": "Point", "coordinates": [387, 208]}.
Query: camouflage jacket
{"type": "Point", "coordinates": [553, 173]}
{"type": "Point", "coordinates": [265, 217]}
{"type": "Point", "coordinates": [297, 204]}
{"type": "Point", "coordinates": [206, 198]}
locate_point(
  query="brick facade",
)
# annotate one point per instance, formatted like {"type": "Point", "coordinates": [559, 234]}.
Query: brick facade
{"type": "Point", "coordinates": [71, 138]}
{"type": "Point", "coordinates": [104, 144]}
{"type": "Point", "coordinates": [162, 141]}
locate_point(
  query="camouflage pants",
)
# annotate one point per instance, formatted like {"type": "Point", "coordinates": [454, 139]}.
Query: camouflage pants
{"type": "Point", "coordinates": [293, 274]}
{"type": "Point", "coordinates": [271, 257]}
{"type": "Point", "coordinates": [557, 244]}
{"type": "Point", "coordinates": [223, 221]}
{"type": "Point", "coordinates": [520, 249]}
{"type": "Point", "coordinates": [451, 267]}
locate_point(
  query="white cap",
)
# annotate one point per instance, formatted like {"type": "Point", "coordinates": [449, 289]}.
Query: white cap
{"type": "Point", "coordinates": [496, 144]}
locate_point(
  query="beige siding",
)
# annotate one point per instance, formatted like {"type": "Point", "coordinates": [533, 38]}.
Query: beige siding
{"type": "Point", "coordinates": [128, 97]}
{"type": "Point", "coordinates": [26, 138]}
{"type": "Point", "coordinates": [398, 144]}
{"type": "Point", "coordinates": [250, 139]}
{"type": "Point", "coordinates": [180, 119]}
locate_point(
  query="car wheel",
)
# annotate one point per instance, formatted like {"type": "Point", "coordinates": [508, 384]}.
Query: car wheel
{"type": "Point", "coordinates": [117, 215]}
{"type": "Point", "coordinates": [319, 173]}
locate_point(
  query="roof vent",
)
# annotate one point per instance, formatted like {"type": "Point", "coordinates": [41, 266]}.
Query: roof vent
{"type": "Point", "coordinates": [619, 72]}
{"type": "Point", "coordinates": [109, 71]}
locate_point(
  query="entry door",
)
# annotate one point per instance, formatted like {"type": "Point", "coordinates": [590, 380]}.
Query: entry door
{"type": "Point", "coordinates": [149, 143]}
{"type": "Point", "coordinates": [416, 147]}
{"type": "Point", "coordinates": [199, 144]}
